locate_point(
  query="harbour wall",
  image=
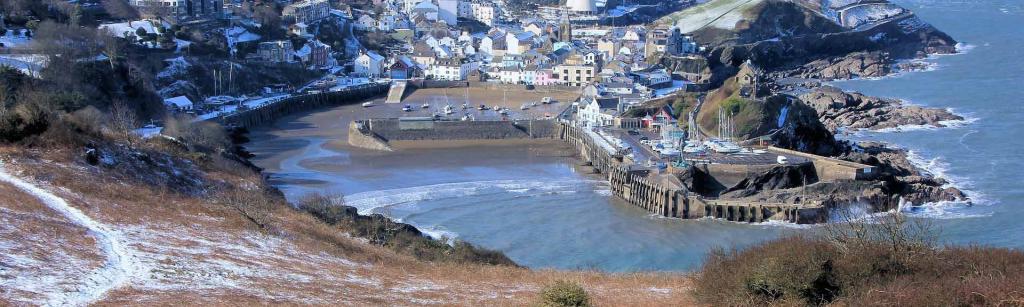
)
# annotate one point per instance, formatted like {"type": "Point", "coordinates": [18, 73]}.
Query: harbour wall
{"type": "Point", "coordinates": [665, 195]}
{"type": "Point", "coordinates": [832, 170]}
{"type": "Point", "coordinates": [253, 117]}
{"type": "Point", "coordinates": [411, 130]}
{"type": "Point", "coordinates": [656, 191]}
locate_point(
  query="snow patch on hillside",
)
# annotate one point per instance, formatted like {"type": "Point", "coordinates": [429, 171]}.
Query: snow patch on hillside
{"type": "Point", "coordinates": [119, 266]}
{"type": "Point", "coordinates": [722, 14]}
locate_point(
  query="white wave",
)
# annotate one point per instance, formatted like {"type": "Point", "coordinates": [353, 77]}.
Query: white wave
{"type": "Point", "coordinates": [439, 233]}
{"type": "Point", "coordinates": [368, 202]}
{"type": "Point", "coordinates": [943, 124]}
{"type": "Point", "coordinates": [783, 224]}
{"type": "Point", "coordinates": [962, 48]}
{"type": "Point", "coordinates": [939, 168]}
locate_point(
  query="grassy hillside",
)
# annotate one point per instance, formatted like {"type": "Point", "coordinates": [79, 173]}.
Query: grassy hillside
{"type": "Point", "coordinates": [200, 227]}
{"type": "Point", "coordinates": [749, 116]}
{"type": "Point", "coordinates": [891, 261]}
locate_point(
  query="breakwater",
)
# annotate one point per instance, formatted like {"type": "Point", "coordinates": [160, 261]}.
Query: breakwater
{"type": "Point", "coordinates": [269, 112]}
{"type": "Point", "coordinates": [657, 191]}
{"type": "Point", "coordinates": [662, 193]}
{"type": "Point", "coordinates": [413, 131]}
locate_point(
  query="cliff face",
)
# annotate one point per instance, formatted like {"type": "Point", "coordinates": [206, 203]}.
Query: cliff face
{"type": "Point", "coordinates": [783, 35]}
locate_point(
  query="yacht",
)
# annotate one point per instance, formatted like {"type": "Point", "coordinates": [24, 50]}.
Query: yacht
{"type": "Point", "coordinates": [368, 104]}
{"type": "Point", "coordinates": [721, 146]}
{"type": "Point", "coordinates": [407, 108]}
{"type": "Point", "coordinates": [525, 106]}
{"type": "Point", "coordinates": [693, 147]}
{"type": "Point", "coordinates": [426, 105]}
{"type": "Point", "coordinates": [482, 107]}
{"type": "Point", "coordinates": [448, 109]}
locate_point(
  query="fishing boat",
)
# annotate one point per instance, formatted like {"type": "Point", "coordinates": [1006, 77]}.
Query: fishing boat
{"type": "Point", "coordinates": [465, 106]}
{"type": "Point", "coordinates": [504, 111]}
{"type": "Point", "coordinates": [525, 106]}
{"type": "Point", "coordinates": [546, 100]}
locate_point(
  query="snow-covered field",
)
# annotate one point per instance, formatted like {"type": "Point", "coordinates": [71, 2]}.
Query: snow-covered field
{"type": "Point", "coordinates": [124, 29]}
{"type": "Point", "coordinates": [722, 14]}
{"type": "Point", "coordinates": [118, 266]}
{"type": "Point", "coordinates": [868, 13]}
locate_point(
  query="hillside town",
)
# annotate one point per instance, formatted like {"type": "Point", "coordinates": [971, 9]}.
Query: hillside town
{"type": "Point", "coordinates": [322, 45]}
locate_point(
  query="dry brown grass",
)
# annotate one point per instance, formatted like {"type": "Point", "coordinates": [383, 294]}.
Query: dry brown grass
{"type": "Point", "coordinates": [811, 271]}
{"type": "Point", "coordinates": [188, 243]}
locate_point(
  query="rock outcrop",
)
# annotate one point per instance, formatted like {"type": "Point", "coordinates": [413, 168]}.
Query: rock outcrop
{"type": "Point", "coordinates": [838, 109]}
{"type": "Point", "coordinates": [901, 176]}
{"type": "Point", "coordinates": [778, 177]}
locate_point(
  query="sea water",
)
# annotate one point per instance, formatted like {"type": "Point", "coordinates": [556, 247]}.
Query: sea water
{"type": "Point", "coordinates": [537, 209]}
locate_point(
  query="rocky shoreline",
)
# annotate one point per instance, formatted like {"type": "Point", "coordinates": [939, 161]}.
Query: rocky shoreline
{"type": "Point", "coordinates": [838, 109]}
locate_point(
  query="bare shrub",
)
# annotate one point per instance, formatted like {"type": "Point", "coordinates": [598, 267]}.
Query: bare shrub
{"type": "Point", "coordinates": [88, 120]}
{"type": "Point", "coordinates": [202, 136]}
{"type": "Point", "coordinates": [123, 122]}
{"type": "Point", "coordinates": [877, 260]}
{"type": "Point", "coordinates": [564, 294]}
{"type": "Point", "coordinates": [256, 206]}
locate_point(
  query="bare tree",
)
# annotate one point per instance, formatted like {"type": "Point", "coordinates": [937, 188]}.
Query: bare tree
{"type": "Point", "coordinates": [123, 121]}
{"type": "Point", "coordinates": [112, 46]}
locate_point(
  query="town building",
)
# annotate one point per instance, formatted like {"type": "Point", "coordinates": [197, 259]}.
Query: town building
{"type": "Point", "coordinates": [485, 12]}
{"type": "Point", "coordinates": [368, 64]}
{"type": "Point", "coordinates": [574, 72]}
{"type": "Point", "coordinates": [315, 53]}
{"type": "Point", "coordinates": [307, 11]}
{"type": "Point", "coordinates": [178, 104]}
{"type": "Point", "coordinates": [276, 51]}
{"type": "Point", "coordinates": [180, 10]}
{"type": "Point", "coordinates": [597, 112]}
{"type": "Point", "coordinates": [450, 69]}
{"type": "Point", "coordinates": [403, 68]}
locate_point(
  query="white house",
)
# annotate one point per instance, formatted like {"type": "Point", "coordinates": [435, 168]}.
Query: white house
{"type": "Point", "coordinates": [597, 112]}
{"type": "Point", "coordinates": [484, 12]}
{"type": "Point", "coordinates": [179, 103]}
{"type": "Point", "coordinates": [486, 45]}
{"type": "Point", "coordinates": [369, 64]}
{"type": "Point", "coordinates": [510, 75]}
{"type": "Point", "coordinates": [451, 69]}
{"type": "Point", "coordinates": [513, 41]}
{"type": "Point", "coordinates": [365, 23]}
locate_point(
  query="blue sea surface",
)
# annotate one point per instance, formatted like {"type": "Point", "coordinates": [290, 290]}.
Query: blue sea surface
{"type": "Point", "coordinates": [543, 214]}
